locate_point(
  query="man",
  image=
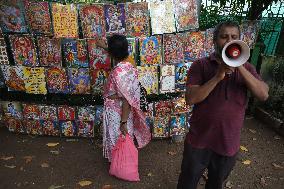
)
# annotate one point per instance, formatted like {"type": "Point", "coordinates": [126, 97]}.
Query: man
{"type": "Point", "coordinates": [219, 93]}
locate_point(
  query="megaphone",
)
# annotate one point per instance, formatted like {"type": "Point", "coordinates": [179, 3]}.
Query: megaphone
{"type": "Point", "coordinates": [235, 53]}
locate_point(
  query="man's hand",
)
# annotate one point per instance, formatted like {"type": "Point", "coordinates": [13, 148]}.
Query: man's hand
{"type": "Point", "coordinates": [223, 70]}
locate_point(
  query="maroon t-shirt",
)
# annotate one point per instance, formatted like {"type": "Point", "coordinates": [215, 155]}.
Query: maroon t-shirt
{"type": "Point", "coordinates": [216, 121]}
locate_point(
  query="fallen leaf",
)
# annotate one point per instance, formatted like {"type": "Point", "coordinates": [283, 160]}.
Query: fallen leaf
{"type": "Point", "coordinates": [276, 166]}
{"type": "Point", "coordinates": [10, 166]}
{"type": "Point", "coordinates": [253, 138]}
{"type": "Point", "coordinates": [72, 140]}
{"type": "Point", "coordinates": [252, 131]}
{"type": "Point", "coordinates": [56, 152]}
{"type": "Point", "coordinates": [149, 174]}
{"type": "Point", "coordinates": [229, 184]}
{"type": "Point", "coordinates": [21, 168]}
{"type": "Point", "coordinates": [107, 186]}
{"type": "Point", "coordinates": [243, 148]}
{"type": "Point", "coordinates": [262, 181]}
{"type": "Point", "coordinates": [55, 187]}
{"type": "Point", "coordinates": [52, 144]}
{"type": "Point", "coordinates": [277, 137]}
{"type": "Point", "coordinates": [84, 183]}
{"type": "Point", "coordinates": [44, 165]}
{"type": "Point", "coordinates": [172, 153]}
{"type": "Point", "coordinates": [246, 162]}
{"type": "Point", "coordinates": [7, 158]}
{"type": "Point", "coordinates": [28, 158]}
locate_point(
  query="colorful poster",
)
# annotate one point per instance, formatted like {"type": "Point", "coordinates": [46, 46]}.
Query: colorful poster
{"type": "Point", "coordinates": [249, 31]}
{"type": "Point", "coordinates": [2, 80]}
{"type": "Point", "coordinates": [50, 128]}
{"type": "Point", "coordinates": [57, 81]}
{"type": "Point", "coordinates": [137, 19]}
{"type": "Point", "coordinates": [68, 128]}
{"type": "Point", "coordinates": [179, 105]}
{"type": "Point", "coordinates": [167, 79]}
{"type": "Point", "coordinates": [163, 108]}
{"type": "Point", "coordinates": [194, 45]}
{"type": "Point", "coordinates": [79, 80]}
{"type": "Point", "coordinates": [3, 52]}
{"type": "Point", "coordinates": [75, 53]}
{"type": "Point", "coordinates": [132, 44]}
{"type": "Point", "coordinates": [34, 79]}
{"type": "Point", "coordinates": [66, 113]}
{"type": "Point", "coordinates": [49, 51]}
{"type": "Point", "coordinates": [115, 18]}
{"type": "Point", "coordinates": [98, 80]}
{"type": "Point", "coordinates": [99, 58]}
{"type": "Point", "coordinates": [181, 76]}
{"type": "Point", "coordinates": [161, 127]}
{"type": "Point", "coordinates": [186, 15]}
{"type": "Point", "coordinates": [99, 115]}
{"type": "Point", "coordinates": [86, 113]}
{"type": "Point", "coordinates": [31, 111]}
{"type": "Point", "coordinates": [150, 50]}
{"type": "Point", "coordinates": [209, 44]}
{"type": "Point", "coordinates": [92, 21]}
{"type": "Point", "coordinates": [148, 77]}
{"type": "Point", "coordinates": [14, 77]}
{"type": "Point", "coordinates": [24, 50]}
{"type": "Point", "coordinates": [85, 128]}
{"type": "Point", "coordinates": [15, 125]}
{"type": "Point", "coordinates": [33, 127]}
{"type": "Point", "coordinates": [48, 112]}
{"type": "Point", "coordinates": [159, 10]}
{"type": "Point", "coordinates": [12, 109]}
{"type": "Point", "coordinates": [173, 48]}
{"type": "Point", "coordinates": [178, 124]}
{"type": "Point", "coordinates": [38, 16]}
{"type": "Point", "coordinates": [65, 20]}
{"type": "Point", "coordinates": [12, 16]}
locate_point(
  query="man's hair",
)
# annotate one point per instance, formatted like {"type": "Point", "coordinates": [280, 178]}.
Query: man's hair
{"type": "Point", "coordinates": [118, 47]}
{"type": "Point", "coordinates": [228, 23]}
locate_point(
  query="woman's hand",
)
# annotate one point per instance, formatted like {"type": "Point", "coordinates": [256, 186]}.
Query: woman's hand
{"type": "Point", "coordinates": [123, 128]}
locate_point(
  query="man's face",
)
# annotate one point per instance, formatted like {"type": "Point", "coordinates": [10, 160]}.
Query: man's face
{"type": "Point", "coordinates": [226, 34]}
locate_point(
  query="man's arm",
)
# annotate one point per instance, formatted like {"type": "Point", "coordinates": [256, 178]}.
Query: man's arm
{"type": "Point", "coordinates": [258, 88]}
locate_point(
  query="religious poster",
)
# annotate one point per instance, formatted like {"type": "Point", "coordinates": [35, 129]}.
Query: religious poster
{"type": "Point", "coordinates": [115, 18]}
{"type": "Point", "coordinates": [31, 111]}
{"type": "Point", "coordinates": [66, 113]}
{"type": "Point", "coordinates": [92, 20]}
{"type": "Point", "coordinates": [179, 105]}
{"type": "Point", "coordinates": [33, 127]}
{"type": "Point", "coordinates": [186, 15]}
{"type": "Point", "coordinates": [79, 80]}
{"type": "Point", "coordinates": [163, 108]}
{"type": "Point", "coordinates": [65, 20]}
{"type": "Point", "coordinates": [12, 109]}
{"type": "Point", "coordinates": [99, 116]}
{"type": "Point", "coordinates": [49, 51]}
{"type": "Point", "coordinates": [194, 45]}
{"type": "Point", "coordinates": [148, 77]}
{"type": "Point", "coordinates": [48, 112]}
{"type": "Point", "coordinates": [85, 128]}
{"type": "Point", "coordinates": [249, 31]}
{"type": "Point", "coordinates": [161, 127]}
{"type": "Point", "coordinates": [86, 113]}
{"type": "Point", "coordinates": [150, 50]}
{"type": "Point", "coordinates": [137, 19]}
{"type": "Point", "coordinates": [162, 17]}
{"type": "Point", "coordinates": [181, 76]}
{"type": "Point", "coordinates": [173, 48]}
{"type": "Point", "coordinates": [12, 16]}
{"type": "Point", "coordinates": [15, 125]}
{"type": "Point", "coordinates": [34, 79]}
{"type": "Point", "coordinates": [132, 43]}
{"type": "Point", "coordinates": [14, 77]}
{"type": "Point", "coordinates": [68, 128]}
{"type": "Point", "coordinates": [3, 52]}
{"type": "Point", "coordinates": [38, 16]}
{"type": "Point", "coordinates": [209, 44]}
{"type": "Point", "coordinates": [99, 58]}
{"type": "Point", "coordinates": [57, 81]}
{"type": "Point", "coordinates": [98, 80]}
{"type": "Point", "coordinates": [167, 79]}
{"type": "Point", "coordinates": [178, 124]}
{"type": "Point", "coordinates": [24, 50]}
{"type": "Point", "coordinates": [50, 127]}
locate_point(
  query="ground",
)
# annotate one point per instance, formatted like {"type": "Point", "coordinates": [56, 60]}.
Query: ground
{"type": "Point", "coordinates": [27, 162]}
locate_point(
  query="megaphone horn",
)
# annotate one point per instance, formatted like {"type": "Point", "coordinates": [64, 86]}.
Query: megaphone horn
{"type": "Point", "coordinates": [235, 53]}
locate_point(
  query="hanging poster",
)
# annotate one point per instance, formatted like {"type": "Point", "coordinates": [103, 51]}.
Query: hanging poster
{"type": "Point", "coordinates": [85, 128]}
{"type": "Point", "coordinates": [163, 108]}
{"type": "Point", "coordinates": [249, 31]}
{"type": "Point", "coordinates": [167, 79]}
{"type": "Point", "coordinates": [186, 15]}
{"type": "Point", "coordinates": [38, 16]}
{"type": "Point", "coordinates": [50, 128]}
{"type": "Point", "coordinates": [173, 48]}
{"type": "Point", "coordinates": [48, 112]}
{"type": "Point", "coordinates": [209, 44]}
{"type": "Point", "coordinates": [12, 109]}
{"type": "Point", "coordinates": [12, 16]}
{"type": "Point", "coordinates": [179, 105]}
{"type": "Point", "coordinates": [178, 124]}
{"type": "Point", "coordinates": [66, 113]}
{"type": "Point", "coordinates": [49, 51]}
{"type": "Point", "coordinates": [92, 20]}
{"type": "Point", "coordinates": [115, 18]}
{"type": "Point", "coordinates": [162, 17]}
{"type": "Point", "coordinates": [68, 128]}
{"type": "Point", "coordinates": [24, 50]}
{"type": "Point", "coordinates": [161, 127]}
{"type": "Point", "coordinates": [137, 19]}
{"type": "Point", "coordinates": [181, 76]}
{"type": "Point", "coordinates": [2, 80]}
{"type": "Point", "coordinates": [150, 50]}
{"type": "Point", "coordinates": [64, 20]}
{"type": "Point", "coordinates": [99, 78]}
{"type": "Point", "coordinates": [31, 111]}
{"type": "Point", "coordinates": [99, 58]}
{"type": "Point", "coordinates": [99, 115]}
{"type": "Point", "coordinates": [34, 79]}
{"type": "Point", "coordinates": [86, 113]}
{"type": "Point", "coordinates": [132, 43]}
{"type": "Point", "coordinates": [15, 125]}
{"type": "Point", "coordinates": [14, 77]}
{"type": "Point", "coordinates": [33, 127]}
{"type": "Point", "coordinates": [79, 80]}
{"type": "Point", "coordinates": [194, 45]}
{"type": "Point", "coordinates": [57, 81]}
{"type": "Point", "coordinates": [148, 77]}
{"type": "Point", "coordinates": [3, 52]}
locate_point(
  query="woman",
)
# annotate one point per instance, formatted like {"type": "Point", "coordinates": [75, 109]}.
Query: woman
{"type": "Point", "coordinates": [122, 113]}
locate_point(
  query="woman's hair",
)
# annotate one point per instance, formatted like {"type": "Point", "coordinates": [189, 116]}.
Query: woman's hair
{"type": "Point", "coordinates": [228, 23]}
{"type": "Point", "coordinates": [118, 47]}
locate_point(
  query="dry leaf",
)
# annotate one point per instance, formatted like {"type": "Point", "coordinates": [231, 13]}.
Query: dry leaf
{"type": "Point", "coordinates": [243, 148]}
{"type": "Point", "coordinates": [10, 166]}
{"type": "Point", "coordinates": [172, 153]}
{"type": "Point", "coordinates": [262, 181]}
{"type": "Point", "coordinates": [246, 162]}
{"type": "Point", "coordinates": [253, 138]}
{"type": "Point", "coordinates": [56, 152]}
{"type": "Point", "coordinates": [276, 166]}
{"type": "Point", "coordinates": [7, 158]}
{"type": "Point", "coordinates": [277, 137]}
{"type": "Point", "coordinates": [55, 187]}
{"type": "Point", "coordinates": [229, 184]}
{"type": "Point", "coordinates": [21, 168]}
{"type": "Point", "coordinates": [85, 183]}
{"type": "Point", "coordinates": [52, 144]}
{"type": "Point", "coordinates": [149, 174]}
{"type": "Point", "coordinates": [72, 140]}
{"type": "Point", "coordinates": [28, 158]}
{"type": "Point", "coordinates": [107, 186]}
{"type": "Point", "coordinates": [44, 165]}
{"type": "Point", "coordinates": [252, 131]}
